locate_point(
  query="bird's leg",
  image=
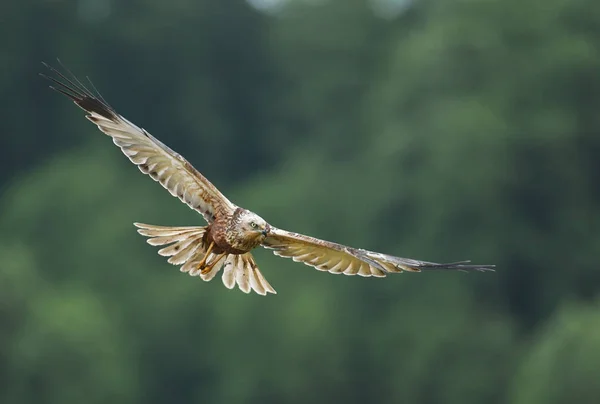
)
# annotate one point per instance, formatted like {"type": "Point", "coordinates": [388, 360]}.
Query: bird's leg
{"type": "Point", "coordinates": [203, 262]}
{"type": "Point", "coordinates": [210, 266]}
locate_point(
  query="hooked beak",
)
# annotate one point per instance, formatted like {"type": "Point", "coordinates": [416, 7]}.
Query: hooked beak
{"type": "Point", "coordinates": [266, 230]}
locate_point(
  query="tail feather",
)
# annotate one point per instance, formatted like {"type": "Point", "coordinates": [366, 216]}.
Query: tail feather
{"type": "Point", "coordinates": [229, 271]}
{"type": "Point", "coordinates": [242, 275]}
{"type": "Point", "coordinates": [242, 269]}
{"type": "Point", "coordinates": [259, 283]}
{"type": "Point", "coordinates": [185, 246]}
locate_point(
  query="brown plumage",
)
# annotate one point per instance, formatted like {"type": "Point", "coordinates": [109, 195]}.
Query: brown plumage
{"type": "Point", "coordinates": [232, 232]}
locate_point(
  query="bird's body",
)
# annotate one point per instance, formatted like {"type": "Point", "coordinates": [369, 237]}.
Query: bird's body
{"type": "Point", "coordinates": [228, 234]}
{"type": "Point", "coordinates": [232, 232]}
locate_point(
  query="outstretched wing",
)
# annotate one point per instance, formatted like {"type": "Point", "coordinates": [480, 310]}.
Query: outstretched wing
{"type": "Point", "coordinates": [187, 247]}
{"type": "Point", "coordinates": [340, 259]}
{"type": "Point", "coordinates": [151, 156]}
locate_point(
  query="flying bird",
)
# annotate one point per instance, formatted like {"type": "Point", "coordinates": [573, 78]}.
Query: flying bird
{"type": "Point", "coordinates": [232, 232]}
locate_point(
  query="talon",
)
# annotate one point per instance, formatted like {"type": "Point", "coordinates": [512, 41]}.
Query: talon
{"type": "Point", "coordinates": [210, 266]}
{"type": "Point", "coordinates": [202, 263]}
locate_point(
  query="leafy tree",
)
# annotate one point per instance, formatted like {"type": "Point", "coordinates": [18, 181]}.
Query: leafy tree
{"type": "Point", "coordinates": [563, 360]}
{"type": "Point", "coordinates": [457, 130]}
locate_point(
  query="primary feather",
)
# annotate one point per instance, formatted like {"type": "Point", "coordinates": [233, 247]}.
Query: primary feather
{"type": "Point", "coordinates": [232, 231]}
{"type": "Point", "coordinates": [151, 156]}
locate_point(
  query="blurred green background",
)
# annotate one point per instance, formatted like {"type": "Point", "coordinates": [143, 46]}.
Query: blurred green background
{"type": "Point", "coordinates": [433, 129]}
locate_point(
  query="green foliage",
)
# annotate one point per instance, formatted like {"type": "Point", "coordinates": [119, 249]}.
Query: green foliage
{"type": "Point", "coordinates": [564, 360]}
{"type": "Point", "coordinates": [460, 129]}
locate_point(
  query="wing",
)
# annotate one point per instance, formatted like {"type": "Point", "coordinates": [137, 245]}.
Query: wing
{"type": "Point", "coordinates": [151, 156]}
{"type": "Point", "coordinates": [339, 259]}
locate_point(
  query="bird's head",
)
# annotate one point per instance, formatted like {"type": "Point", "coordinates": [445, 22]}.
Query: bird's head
{"type": "Point", "coordinates": [253, 225]}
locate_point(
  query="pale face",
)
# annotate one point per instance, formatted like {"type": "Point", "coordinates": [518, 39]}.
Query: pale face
{"type": "Point", "coordinates": [253, 225]}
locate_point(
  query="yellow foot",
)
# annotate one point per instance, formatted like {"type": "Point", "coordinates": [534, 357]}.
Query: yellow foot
{"type": "Point", "coordinates": [210, 266]}
{"type": "Point", "coordinates": [203, 262]}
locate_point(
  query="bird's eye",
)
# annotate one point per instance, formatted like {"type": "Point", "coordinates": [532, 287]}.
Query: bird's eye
{"type": "Point", "coordinates": [253, 225]}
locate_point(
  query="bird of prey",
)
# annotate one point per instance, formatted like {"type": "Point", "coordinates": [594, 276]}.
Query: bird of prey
{"type": "Point", "coordinates": [232, 232]}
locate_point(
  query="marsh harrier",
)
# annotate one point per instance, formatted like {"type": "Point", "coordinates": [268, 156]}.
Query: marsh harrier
{"type": "Point", "coordinates": [232, 232]}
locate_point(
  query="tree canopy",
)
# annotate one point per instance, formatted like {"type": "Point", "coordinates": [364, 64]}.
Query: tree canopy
{"type": "Point", "coordinates": [448, 130]}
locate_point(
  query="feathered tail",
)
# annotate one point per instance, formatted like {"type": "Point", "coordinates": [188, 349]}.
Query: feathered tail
{"type": "Point", "coordinates": [186, 247]}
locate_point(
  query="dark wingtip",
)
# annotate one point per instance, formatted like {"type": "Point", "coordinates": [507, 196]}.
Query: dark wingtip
{"type": "Point", "coordinates": [68, 84]}
{"type": "Point", "coordinates": [459, 266]}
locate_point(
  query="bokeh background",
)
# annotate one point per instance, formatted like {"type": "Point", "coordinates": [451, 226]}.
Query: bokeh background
{"type": "Point", "coordinates": [433, 129]}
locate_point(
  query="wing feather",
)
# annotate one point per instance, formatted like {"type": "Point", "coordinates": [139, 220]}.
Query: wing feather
{"type": "Point", "coordinates": [185, 247]}
{"type": "Point", "coordinates": [337, 259]}
{"type": "Point", "coordinates": [151, 156]}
